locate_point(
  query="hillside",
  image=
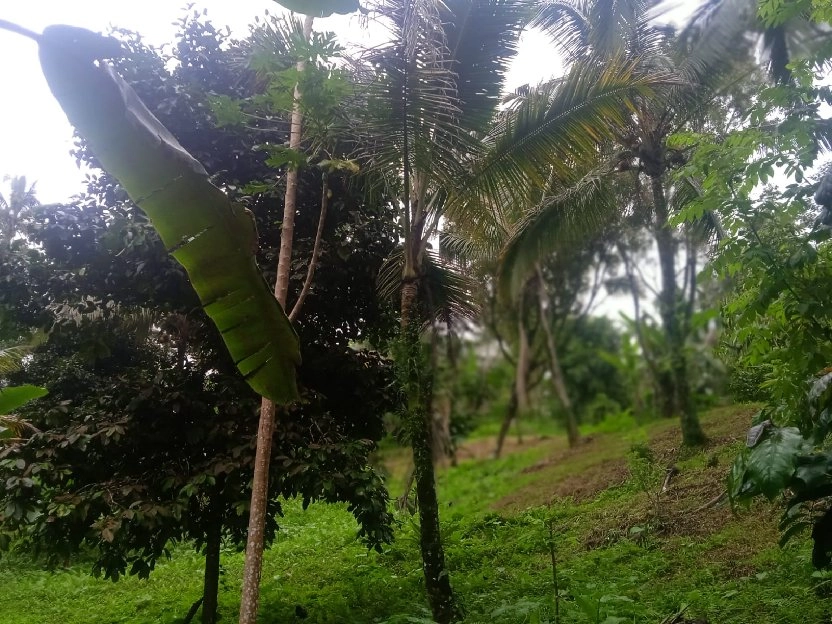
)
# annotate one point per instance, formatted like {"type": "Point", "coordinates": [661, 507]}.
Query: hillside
{"type": "Point", "coordinates": [624, 550]}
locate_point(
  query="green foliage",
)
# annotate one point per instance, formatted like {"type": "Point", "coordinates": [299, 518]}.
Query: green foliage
{"type": "Point", "coordinates": [778, 258]}
{"type": "Point", "coordinates": [729, 571]}
{"type": "Point", "coordinates": [148, 433]}
{"type": "Point", "coordinates": [213, 238]}
{"type": "Point", "coordinates": [14, 397]}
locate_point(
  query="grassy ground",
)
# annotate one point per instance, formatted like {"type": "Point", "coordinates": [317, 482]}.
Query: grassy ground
{"type": "Point", "coordinates": [624, 552]}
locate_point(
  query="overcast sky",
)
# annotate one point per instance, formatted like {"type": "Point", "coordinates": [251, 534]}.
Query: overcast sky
{"type": "Point", "coordinates": [36, 138]}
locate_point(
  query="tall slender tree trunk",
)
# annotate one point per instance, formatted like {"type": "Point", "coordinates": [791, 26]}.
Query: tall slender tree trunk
{"type": "Point", "coordinates": [521, 376]}
{"type": "Point", "coordinates": [250, 598]}
{"type": "Point", "coordinates": [419, 394]}
{"type": "Point", "coordinates": [558, 379]}
{"type": "Point", "coordinates": [510, 415]}
{"type": "Point", "coordinates": [663, 394]}
{"type": "Point", "coordinates": [419, 397]}
{"type": "Point", "coordinates": [211, 585]}
{"type": "Point", "coordinates": [692, 434]}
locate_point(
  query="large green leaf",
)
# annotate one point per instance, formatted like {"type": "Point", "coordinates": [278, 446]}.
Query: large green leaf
{"type": "Point", "coordinates": [213, 238]}
{"type": "Point", "coordinates": [15, 396]}
{"type": "Point", "coordinates": [320, 8]}
{"type": "Point", "coordinates": [771, 463]}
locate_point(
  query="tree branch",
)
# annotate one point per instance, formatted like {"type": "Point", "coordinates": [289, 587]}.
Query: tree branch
{"type": "Point", "coordinates": [316, 250]}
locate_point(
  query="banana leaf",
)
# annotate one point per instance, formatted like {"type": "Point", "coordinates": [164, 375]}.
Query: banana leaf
{"type": "Point", "coordinates": [13, 397]}
{"type": "Point", "coordinates": [213, 238]}
{"type": "Point", "coordinates": [320, 8]}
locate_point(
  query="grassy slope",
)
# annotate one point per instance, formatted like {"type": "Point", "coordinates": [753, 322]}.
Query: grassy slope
{"type": "Point", "coordinates": [614, 555]}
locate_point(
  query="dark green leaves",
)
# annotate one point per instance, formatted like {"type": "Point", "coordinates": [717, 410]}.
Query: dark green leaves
{"type": "Point", "coordinates": [214, 239]}
{"type": "Point", "coordinates": [771, 463]}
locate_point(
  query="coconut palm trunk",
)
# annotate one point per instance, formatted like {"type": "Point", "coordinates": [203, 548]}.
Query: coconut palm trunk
{"type": "Point", "coordinates": [679, 391]}
{"type": "Point", "coordinates": [418, 388]}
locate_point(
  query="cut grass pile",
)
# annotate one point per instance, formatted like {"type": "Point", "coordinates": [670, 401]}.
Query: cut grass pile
{"type": "Point", "coordinates": [624, 553]}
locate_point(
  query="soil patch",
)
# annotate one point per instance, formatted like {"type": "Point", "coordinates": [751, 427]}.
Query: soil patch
{"type": "Point", "coordinates": [592, 481]}
{"type": "Point", "coordinates": [723, 426]}
{"type": "Point", "coordinates": [564, 477]}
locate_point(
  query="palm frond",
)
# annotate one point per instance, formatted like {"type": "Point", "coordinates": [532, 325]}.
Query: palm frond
{"type": "Point", "coordinates": [436, 84]}
{"type": "Point", "coordinates": [447, 293]}
{"type": "Point", "coordinates": [137, 321]}
{"type": "Point", "coordinates": [712, 34]}
{"type": "Point", "coordinates": [559, 126]}
{"type": "Point", "coordinates": [11, 358]}
{"type": "Point", "coordinates": [13, 355]}
{"type": "Point", "coordinates": [560, 222]}
{"type": "Point", "coordinates": [15, 429]}
{"type": "Point", "coordinates": [599, 29]}
{"type": "Point", "coordinates": [482, 38]}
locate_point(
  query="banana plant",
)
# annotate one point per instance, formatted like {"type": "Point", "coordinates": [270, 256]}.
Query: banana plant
{"type": "Point", "coordinates": [214, 239]}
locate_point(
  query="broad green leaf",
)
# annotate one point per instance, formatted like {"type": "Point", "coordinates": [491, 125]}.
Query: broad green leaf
{"type": "Point", "coordinates": [14, 397]}
{"type": "Point", "coordinates": [213, 238]}
{"type": "Point", "coordinates": [320, 8]}
{"type": "Point", "coordinates": [771, 463]}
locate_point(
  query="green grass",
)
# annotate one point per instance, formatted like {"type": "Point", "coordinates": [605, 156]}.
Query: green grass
{"type": "Point", "coordinates": [614, 557]}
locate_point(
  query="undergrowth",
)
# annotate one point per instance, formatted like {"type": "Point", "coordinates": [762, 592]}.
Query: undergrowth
{"type": "Point", "coordinates": [623, 553]}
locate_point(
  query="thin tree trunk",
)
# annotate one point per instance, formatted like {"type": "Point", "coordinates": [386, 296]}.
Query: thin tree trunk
{"type": "Point", "coordinates": [437, 580]}
{"type": "Point", "coordinates": [316, 250]}
{"type": "Point", "coordinates": [558, 380]}
{"type": "Point", "coordinates": [652, 365]}
{"type": "Point", "coordinates": [250, 595]}
{"type": "Point", "coordinates": [521, 376]}
{"type": "Point", "coordinates": [211, 584]}
{"type": "Point", "coordinates": [692, 434]}
{"type": "Point", "coordinates": [511, 414]}
{"type": "Point", "coordinates": [287, 227]}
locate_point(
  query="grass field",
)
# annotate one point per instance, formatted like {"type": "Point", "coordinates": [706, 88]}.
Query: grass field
{"type": "Point", "coordinates": [624, 551]}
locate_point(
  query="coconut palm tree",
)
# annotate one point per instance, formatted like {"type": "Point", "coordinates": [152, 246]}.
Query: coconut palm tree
{"type": "Point", "coordinates": [428, 127]}
{"type": "Point", "coordinates": [603, 32]}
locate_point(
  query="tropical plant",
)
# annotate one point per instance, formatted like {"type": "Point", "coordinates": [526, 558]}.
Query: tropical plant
{"type": "Point", "coordinates": [626, 29]}
{"type": "Point", "coordinates": [213, 238]}
{"type": "Point", "coordinates": [777, 259]}
{"type": "Point", "coordinates": [431, 93]}
{"type": "Point", "coordinates": [102, 246]}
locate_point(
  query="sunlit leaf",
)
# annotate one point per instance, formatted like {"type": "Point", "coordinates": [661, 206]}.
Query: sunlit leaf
{"type": "Point", "coordinates": [15, 396]}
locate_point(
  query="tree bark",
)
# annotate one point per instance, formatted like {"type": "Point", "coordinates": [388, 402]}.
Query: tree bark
{"type": "Point", "coordinates": [558, 380]}
{"type": "Point", "coordinates": [250, 594]}
{"type": "Point", "coordinates": [211, 583]}
{"type": "Point", "coordinates": [692, 434]}
{"type": "Point", "coordinates": [521, 377]}
{"type": "Point", "coordinates": [418, 414]}
{"type": "Point", "coordinates": [437, 580]}
{"type": "Point", "coordinates": [511, 414]}
{"type": "Point", "coordinates": [287, 227]}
